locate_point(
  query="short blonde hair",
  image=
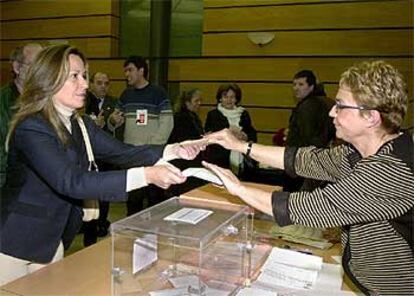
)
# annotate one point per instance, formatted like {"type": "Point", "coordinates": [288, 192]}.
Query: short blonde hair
{"type": "Point", "coordinates": [378, 85]}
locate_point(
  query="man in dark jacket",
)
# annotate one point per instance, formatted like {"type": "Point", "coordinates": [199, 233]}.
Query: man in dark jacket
{"type": "Point", "coordinates": [309, 123]}
{"type": "Point", "coordinates": [20, 58]}
{"type": "Point", "coordinates": [99, 106]}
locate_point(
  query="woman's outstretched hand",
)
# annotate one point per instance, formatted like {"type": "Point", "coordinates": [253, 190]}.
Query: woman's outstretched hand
{"type": "Point", "coordinates": [227, 139]}
{"type": "Point", "coordinates": [164, 175]}
{"type": "Point", "coordinates": [230, 181]}
{"type": "Point", "coordinates": [185, 150]}
{"type": "Point", "coordinates": [188, 149]}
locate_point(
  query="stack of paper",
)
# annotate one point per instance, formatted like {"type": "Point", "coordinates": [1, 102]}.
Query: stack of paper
{"type": "Point", "coordinates": [301, 234]}
{"type": "Point", "coordinates": [290, 269]}
{"type": "Point", "coordinates": [290, 273]}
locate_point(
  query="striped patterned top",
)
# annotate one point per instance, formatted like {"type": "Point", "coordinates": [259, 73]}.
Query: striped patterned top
{"type": "Point", "coordinates": [371, 198]}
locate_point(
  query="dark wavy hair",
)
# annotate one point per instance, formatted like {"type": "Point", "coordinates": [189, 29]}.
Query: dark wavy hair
{"type": "Point", "coordinates": [225, 88]}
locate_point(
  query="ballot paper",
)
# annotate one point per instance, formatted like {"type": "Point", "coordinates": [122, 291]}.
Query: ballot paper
{"type": "Point", "coordinates": [145, 252]}
{"type": "Point", "coordinates": [204, 174]}
{"type": "Point", "coordinates": [291, 269]}
{"type": "Point", "coordinates": [252, 291]}
{"type": "Point", "coordinates": [188, 215]}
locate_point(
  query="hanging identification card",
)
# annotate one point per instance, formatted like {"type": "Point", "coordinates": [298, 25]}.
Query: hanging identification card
{"type": "Point", "coordinates": [142, 117]}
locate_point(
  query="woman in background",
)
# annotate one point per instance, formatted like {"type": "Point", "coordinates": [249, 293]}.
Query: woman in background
{"type": "Point", "coordinates": [229, 114]}
{"type": "Point", "coordinates": [187, 124]}
{"type": "Point", "coordinates": [49, 165]}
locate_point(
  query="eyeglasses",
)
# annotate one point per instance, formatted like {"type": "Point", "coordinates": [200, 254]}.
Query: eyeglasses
{"type": "Point", "coordinates": [340, 106]}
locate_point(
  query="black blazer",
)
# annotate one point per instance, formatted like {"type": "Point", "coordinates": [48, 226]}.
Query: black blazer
{"type": "Point", "coordinates": [217, 121]}
{"type": "Point", "coordinates": [108, 106]}
{"type": "Point", "coordinates": [187, 126]}
{"type": "Point", "coordinates": [46, 183]}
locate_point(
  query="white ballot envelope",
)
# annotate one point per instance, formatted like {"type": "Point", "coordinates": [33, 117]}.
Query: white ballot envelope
{"type": "Point", "coordinates": [204, 174]}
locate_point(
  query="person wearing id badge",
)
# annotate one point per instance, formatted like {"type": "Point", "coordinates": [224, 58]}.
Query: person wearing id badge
{"type": "Point", "coordinates": [148, 120]}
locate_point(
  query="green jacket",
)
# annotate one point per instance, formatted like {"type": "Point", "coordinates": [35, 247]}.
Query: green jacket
{"type": "Point", "coordinates": [8, 96]}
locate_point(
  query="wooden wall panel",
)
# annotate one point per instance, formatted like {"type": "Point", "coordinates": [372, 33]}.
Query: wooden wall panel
{"type": "Point", "coordinates": [117, 87]}
{"type": "Point", "coordinates": [92, 47]}
{"type": "Point", "coordinates": [233, 3]}
{"type": "Point", "coordinates": [93, 26]}
{"type": "Point", "coordinates": [304, 43]}
{"type": "Point", "coordinates": [47, 9]}
{"type": "Point", "coordinates": [329, 15]}
{"type": "Point", "coordinates": [270, 69]}
{"type": "Point", "coordinates": [409, 117]}
{"type": "Point", "coordinates": [256, 94]}
{"type": "Point", "coordinates": [114, 67]}
{"type": "Point", "coordinates": [264, 138]}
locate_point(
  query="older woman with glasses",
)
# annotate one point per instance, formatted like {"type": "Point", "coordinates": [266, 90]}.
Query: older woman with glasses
{"type": "Point", "coordinates": [371, 190]}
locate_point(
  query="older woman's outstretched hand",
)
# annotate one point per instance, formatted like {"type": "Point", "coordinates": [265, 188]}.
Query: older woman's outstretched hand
{"type": "Point", "coordinates": [225, 138]}
{"type": "Point", "coordinates": [230, 181]}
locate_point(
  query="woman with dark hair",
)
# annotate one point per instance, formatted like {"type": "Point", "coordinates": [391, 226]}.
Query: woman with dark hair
{"type": "Point", "coordinates": [187, 124]}
{"type": "Point", "coordinates": [229, 114]}
{"type": "Point", "coordinates": [50, 172]}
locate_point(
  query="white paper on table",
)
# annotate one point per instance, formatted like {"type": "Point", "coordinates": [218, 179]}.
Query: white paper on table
{"type": "Point", "coordinates": [290, 269]}
{"type": "Point", "coordinates": [288, 276]}
{"type": "Point", "coordinates": [294, 258]}
{"type": "Point", "coordinates": [251, 291]}
{"type": "Point", "coordinates": [189, 215]}
{"type": "Point", "coordinates": [145, 252]}
{"type": "Point", "coordinates": [329, 278]}
{"type": "Point", "coordinates": [170, 292]}
{"type": "Point", "coordinates": [337, 259]}
{"type": "Point", "coordinates": [328, 283]}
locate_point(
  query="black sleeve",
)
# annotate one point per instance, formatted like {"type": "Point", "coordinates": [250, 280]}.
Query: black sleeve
{"type": "Point", "coordinates": [182, 129]}
{"type": "Point", "coordinates": [311, 124]}
{"type": "Point", "coordinates": [280, 208]}
{"type": "Point", "coordinates": [289, 161]}
{"type": "Point", "coordinates": [247, 127]}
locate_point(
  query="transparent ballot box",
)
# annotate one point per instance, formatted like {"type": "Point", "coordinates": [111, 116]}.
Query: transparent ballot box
{"type": "Point", "coordinates": [182, 247]}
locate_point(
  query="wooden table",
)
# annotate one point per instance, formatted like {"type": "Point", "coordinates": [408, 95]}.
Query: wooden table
{"type": "Point", "coordinates": [87, 272]}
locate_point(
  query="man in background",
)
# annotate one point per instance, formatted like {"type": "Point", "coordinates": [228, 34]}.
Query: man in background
{"type": "Point", "coordinates": [148, 120]}
{"type": "Point", "coordinates": [21, 58]}
{"type": "Point", "coordinates": [309, 123]}
{"type": "Point", "coordinates": [99, 106]}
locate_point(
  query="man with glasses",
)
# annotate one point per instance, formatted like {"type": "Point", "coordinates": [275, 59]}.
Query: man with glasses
{"type": "Point", "coordinates": [21, 58]}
